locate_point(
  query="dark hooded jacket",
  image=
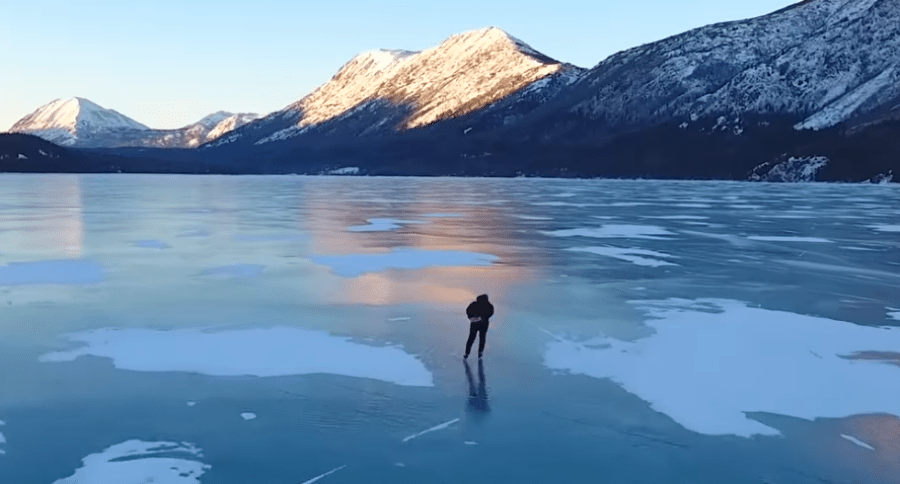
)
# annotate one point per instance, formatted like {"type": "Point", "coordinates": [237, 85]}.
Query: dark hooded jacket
{"type": "Point", "coordinates": [480, 308]}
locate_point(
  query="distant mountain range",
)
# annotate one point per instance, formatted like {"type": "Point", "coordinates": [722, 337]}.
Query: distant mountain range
{"type": "Point", "coordinates": [810, 92]}
{"type": "Point", "coordinates": [78, 122]}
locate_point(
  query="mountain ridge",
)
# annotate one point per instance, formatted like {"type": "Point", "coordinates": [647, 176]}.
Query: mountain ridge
{"type": "Point", "coordinates": [79, 122]}
{"type": "Point", "coordinates": [757, 99]}
{"type": "Point", "coordinates": [64, 120]}
{"type": "Point", "coordinates": [410, 89]}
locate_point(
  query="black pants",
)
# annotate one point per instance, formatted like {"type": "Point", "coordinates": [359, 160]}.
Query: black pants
{"type": "Point", "coordinates": [479, 328]}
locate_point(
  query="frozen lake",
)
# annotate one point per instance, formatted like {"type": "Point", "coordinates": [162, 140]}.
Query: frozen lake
{"type": "Point", "coordinates": [178, 330]}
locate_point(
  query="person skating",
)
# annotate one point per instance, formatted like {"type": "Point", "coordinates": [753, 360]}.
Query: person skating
{"type": "Point", "coordinates": [479, 313]}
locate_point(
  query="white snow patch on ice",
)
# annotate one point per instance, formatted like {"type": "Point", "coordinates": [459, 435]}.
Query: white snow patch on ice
{"type": "Point", "coordinates": [64, 271]}
{"type": "Point", "coordinates": [262, 352]}
{"type": "Point", "coordinates": [248, 415]}
{"type": "Point", "coordinates": [775, 238]}
{"type": "Point", "coordinates": [151, 244]}
{"type": "Point", "coordinates": [191, 404]}
{"type": "Point", "coordinates": [533, 217]}
{"type": "Point", "coordinates": [614, 231]}
{"type": "Point", "coordinates": [234, 270]}
{"type": "Point", "coordinates": [352, 265]}
{"type": "Point", "coordinates": [886, 228]}
{"type": "Point", "coordinates": [734, 240]}
{"type": "Point", "coordinates": [628, 255]}
{"type": "Point", "coordinates": [2, 438]}
{"type": "Point", "coordinates": [857, 441]}
{"type": "Point", "coordinates": [314, 479]}
{"type": "Point", "coordinates": [404, 318]}
{"type": "Point", "coordinates": [469, 442]}
{"type": "Point", "coordinates": [710, 361]}
{"type": "Point", "coordinates": [432, 429]}
{"type": "Point", "coordinates": [22, 157]}
{"type": "Point", "coordinates": [381, 225]}
{"type": "Point", "coordinates": [442, 215]}
{"type": "Point", "coordinates": [894, 314]}
{"type": "Point", "coordinates": [141, 462]}
{"type": "Point", "coordinates": [839, 268]}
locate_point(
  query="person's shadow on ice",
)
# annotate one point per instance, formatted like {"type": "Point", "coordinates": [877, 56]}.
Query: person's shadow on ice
{"type": "Point", "coordinates": [477, 403]}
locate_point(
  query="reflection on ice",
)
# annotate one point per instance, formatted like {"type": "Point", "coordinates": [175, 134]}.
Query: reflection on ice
{"type": "Point", "coordinates": [710, 361]}
{"type": "Point", "coordinates": [66, 271]}
{"type": "Point", "coordinates": [351, 265]}
{"type": "Point", "coordinates": [886, 228]}
{"type": "Point", "coordinates": [136, 461]}
{"type": "Point", "coordinates": [2, 438]}
{"type": "Point", "coordinates": [629, 255]}
{"type": "Point", "coordinates": [477, 403]}
{"type": "Point", "coordinates": [879, 433]}
{"type": "Point", "coordinates": [260, 352]}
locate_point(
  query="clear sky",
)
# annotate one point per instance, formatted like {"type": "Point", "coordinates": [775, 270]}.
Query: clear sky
{"type": "Point", "coordinates": [168, 63]}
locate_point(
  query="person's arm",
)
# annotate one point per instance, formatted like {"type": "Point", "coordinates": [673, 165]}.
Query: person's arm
{"type": "Point", "coordinates": [490, 310]}
{"type": "Point", "coordinates": [470, 313]}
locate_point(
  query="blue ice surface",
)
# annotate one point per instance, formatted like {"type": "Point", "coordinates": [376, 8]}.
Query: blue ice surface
{"type": "Point", "coordinates": [694, 390]}
{"type": "Point", "coordinates": [65, 271]}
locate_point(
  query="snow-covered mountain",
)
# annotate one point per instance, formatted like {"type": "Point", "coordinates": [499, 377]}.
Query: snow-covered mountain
{"type": "Point", "coordinates": [78, 122]}
{"type": "Point", "coordinates": [68, 121]}
{"type": "Point", "coordinates": [810, 92]}
{"type": "Point", "coordinates": [389, 90]}
{"type": "Point", "coordinates": [819, 62]}
{"type": "Point", "coordinates": [207, 129]}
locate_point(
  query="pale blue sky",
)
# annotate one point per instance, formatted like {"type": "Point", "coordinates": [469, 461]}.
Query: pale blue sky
{"type": "Point", "coordinates": [167, 63]}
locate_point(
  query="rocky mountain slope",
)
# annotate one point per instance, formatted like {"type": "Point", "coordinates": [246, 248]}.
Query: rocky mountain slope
{"type": "Point", "coordinates": [381, 92]}
{"type": "Point", "coordinates": [820, 62]}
